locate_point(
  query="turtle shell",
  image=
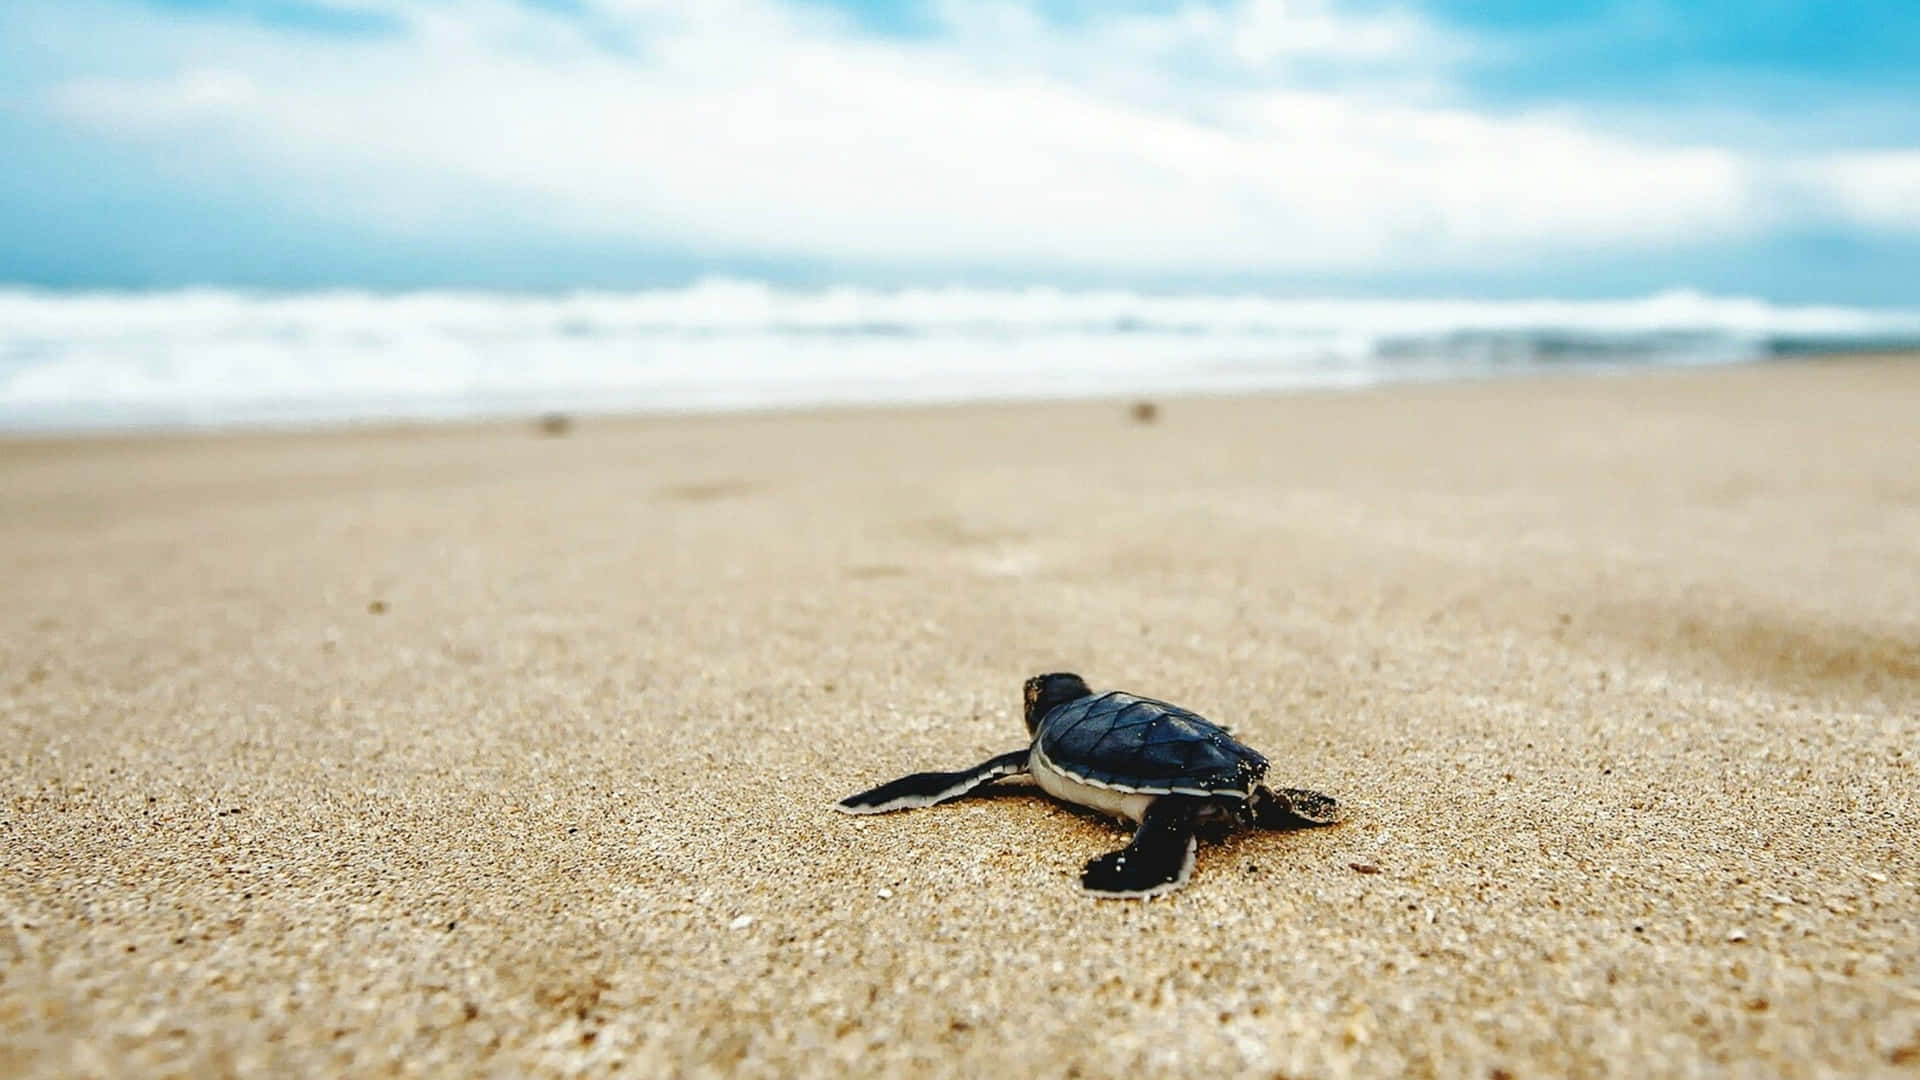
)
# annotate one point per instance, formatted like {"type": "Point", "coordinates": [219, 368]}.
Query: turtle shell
{"type": "Point", "coordinates": [1129, 743]}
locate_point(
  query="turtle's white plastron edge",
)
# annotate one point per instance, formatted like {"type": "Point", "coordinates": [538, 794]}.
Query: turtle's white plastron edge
{"type": "Point", "coordinates": [1109, 800]}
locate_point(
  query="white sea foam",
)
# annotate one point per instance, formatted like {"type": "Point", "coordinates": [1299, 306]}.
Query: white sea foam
{"type": "Point", "coordinates": [76, 360]}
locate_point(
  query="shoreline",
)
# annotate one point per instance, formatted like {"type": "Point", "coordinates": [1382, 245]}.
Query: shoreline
{"type": "Point", "coordinates": [508, 418]}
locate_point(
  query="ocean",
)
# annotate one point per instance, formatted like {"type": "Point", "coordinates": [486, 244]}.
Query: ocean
{"type": "Point", "coordinates": [216, 358]}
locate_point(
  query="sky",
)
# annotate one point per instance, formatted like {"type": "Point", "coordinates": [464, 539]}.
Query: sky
{"type": "Point", "coordinates": [1496, 148]}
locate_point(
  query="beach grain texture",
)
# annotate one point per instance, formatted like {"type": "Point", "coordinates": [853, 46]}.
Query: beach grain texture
{"type": "Point", "coordinates": [481, 752]}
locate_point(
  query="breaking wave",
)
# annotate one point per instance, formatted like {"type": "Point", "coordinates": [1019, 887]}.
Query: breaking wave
{"type": "Point", "coordinates": [209, 358]}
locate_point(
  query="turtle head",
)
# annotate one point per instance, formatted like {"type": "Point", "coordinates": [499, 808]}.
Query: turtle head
{"type": "Point", "coordinates": [1046, 692]}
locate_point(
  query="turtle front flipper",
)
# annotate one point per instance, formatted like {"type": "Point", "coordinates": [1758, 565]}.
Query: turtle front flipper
{"type": "Point", "coordinates": [1159, 860]}
{"type": "Point", "coordinates": [1291, 808]}
{"type": "Point", "coordinates": [928, 788]}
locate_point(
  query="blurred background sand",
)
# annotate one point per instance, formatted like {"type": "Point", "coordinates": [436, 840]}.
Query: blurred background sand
{"type": "Point", "coordinates": [467, 750]}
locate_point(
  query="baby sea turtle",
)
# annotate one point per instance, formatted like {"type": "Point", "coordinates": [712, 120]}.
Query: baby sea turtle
{"type": "Point", "coordinates": [1137, 759]}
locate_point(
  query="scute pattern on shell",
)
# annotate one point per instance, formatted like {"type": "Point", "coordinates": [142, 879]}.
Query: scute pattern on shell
{"type": "Point", "coordinates": [1133, 743]}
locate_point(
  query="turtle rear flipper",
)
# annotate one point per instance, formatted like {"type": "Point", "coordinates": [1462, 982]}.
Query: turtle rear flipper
{"type": "Point", "coordinates": [1159, 860]}
{"type": "Point", "coordinates": [928, 788]}
{"type": "Point", "coordinates": [1291, 808]}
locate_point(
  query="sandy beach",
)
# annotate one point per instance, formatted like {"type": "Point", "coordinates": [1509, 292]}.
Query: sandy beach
{"type": "Point", "coordinates": [473, 751]}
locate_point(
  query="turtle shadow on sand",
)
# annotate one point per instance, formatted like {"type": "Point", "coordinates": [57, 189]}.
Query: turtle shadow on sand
{"type": "Point", "coordinates": [1176, 773]}
{"type": "Point", "coordinates": [1216, 830]}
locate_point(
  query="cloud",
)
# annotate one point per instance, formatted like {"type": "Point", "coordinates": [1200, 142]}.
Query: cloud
{"type": "Point", "coordinates": [1877, 190]}
{"type": "Point", "coordinates": [1258, 136]}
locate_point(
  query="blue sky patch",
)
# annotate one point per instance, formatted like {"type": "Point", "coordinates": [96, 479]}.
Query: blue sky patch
{"type": "Point", "coordinates": [289, 14]}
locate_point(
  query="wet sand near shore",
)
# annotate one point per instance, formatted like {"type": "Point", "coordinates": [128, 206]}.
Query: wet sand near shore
{"type": "Point", "coordinates": [474, 750]}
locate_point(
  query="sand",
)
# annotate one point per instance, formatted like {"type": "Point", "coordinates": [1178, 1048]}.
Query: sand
{"type": "Point", "coordinates": [473, 751]}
